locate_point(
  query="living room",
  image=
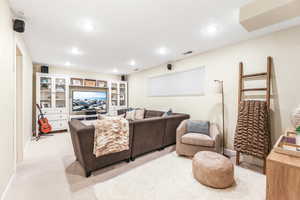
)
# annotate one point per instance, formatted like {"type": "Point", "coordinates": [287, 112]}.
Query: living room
{"type": "Point", "coordinates": [150, 100]}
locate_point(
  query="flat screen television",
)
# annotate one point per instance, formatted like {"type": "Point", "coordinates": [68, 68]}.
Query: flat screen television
{"type": "Point", "coordinates": [89, 100]}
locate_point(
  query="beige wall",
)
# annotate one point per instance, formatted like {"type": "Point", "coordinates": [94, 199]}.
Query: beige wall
{"type": "Point", "coordinates": [75, 72]}
{"type": "Point", "coordinates": [222, 64]}
{"type": "Point", "coordinates": [8, 41]}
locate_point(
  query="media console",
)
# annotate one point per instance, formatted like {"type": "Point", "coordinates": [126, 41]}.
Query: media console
{"type": "Point", "coordinates": [54, 94]}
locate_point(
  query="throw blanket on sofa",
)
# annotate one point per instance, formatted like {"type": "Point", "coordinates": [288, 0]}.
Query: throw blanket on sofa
{"type": "Point", "coordinates": [252, 136]}
{"type": "Point", "coordinates": [111, 136]}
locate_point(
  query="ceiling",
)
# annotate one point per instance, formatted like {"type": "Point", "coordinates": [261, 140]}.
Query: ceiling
{"type": "Point", "coordinates": [107, 36]}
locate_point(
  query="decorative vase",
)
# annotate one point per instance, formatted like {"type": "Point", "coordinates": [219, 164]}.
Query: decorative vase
{"type": "Point", "coordinates": [298, 138]}
{"type": "Point", "coordinates": [296, 117]}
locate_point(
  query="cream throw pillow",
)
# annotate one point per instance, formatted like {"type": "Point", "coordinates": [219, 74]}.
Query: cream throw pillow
{"type": "Point", "coordinates": [104, 117]}
{"type": "Point", "coordinates": [139, 114]}
{"type": "Point", "coordinates": [130, 115]}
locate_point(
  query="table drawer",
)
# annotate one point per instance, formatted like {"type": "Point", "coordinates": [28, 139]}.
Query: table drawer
{"type": "Point", "coordinates": [57, 117]}
{"type": "Point", "coordinates": [54, 111]}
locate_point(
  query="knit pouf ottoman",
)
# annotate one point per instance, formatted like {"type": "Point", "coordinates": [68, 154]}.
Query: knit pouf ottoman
{"type": "Point", "coordinates": [213, 169]}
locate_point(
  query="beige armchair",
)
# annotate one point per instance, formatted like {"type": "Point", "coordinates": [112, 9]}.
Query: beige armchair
{"type": "Point", "coordinates": [188, 144]}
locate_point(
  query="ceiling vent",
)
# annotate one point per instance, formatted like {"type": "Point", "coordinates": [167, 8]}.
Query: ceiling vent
{"type": "Point", "coordinates": [188, 52]}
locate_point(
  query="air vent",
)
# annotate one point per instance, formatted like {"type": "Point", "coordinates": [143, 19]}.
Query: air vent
{"type": "Point", "coordinates": [188, 52]}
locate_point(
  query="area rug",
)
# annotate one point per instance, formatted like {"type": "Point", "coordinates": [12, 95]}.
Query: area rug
{"type": "Point", "coordinates": [170, 178]}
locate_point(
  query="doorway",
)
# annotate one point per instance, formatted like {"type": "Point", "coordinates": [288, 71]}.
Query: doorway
{"type": "Point", "coordinates": [19, 107]}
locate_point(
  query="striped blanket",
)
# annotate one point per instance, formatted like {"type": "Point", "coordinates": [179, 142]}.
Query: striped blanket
{"type": "Point", "coordinates": [252, 136]}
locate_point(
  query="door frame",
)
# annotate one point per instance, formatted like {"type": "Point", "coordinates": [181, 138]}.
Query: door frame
{"type": "Point", "coordinates": [18, 119]}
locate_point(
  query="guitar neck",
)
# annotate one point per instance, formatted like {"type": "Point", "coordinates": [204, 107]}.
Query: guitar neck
{"type": "Point", "coordinates": [41, 113]}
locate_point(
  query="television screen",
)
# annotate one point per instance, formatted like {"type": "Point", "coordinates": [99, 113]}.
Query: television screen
{"type": "Point", "coordinates": [87, 100]}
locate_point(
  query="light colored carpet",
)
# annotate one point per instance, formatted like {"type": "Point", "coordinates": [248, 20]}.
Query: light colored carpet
{"type": "Point", "coordinates": [170, 178]}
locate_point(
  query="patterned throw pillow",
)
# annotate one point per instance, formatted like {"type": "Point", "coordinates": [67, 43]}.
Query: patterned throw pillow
{"type": "Point", "coordinates": [130, 115]}
{"type": "Point", "coordinates": [139, 114]}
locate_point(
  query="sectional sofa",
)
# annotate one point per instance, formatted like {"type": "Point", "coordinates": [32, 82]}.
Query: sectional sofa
{"type": "Point", "coordinates": [154, 132]}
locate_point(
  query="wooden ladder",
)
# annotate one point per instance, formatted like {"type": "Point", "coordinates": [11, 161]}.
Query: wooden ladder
{"type": "Point", "coordinates": [242, 78]}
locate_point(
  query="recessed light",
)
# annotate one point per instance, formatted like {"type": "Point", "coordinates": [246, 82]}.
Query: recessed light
{"type": "Point", "coordinates": [76, 51]}
{"type": "Point", "coordinates": [210, 30]}
{"type": "Point", "coordinates": [162, 51]}
{"type": "Point", "coordinates": [88, 26]}
{"type": "Point", "coordinates": [68, 64]}
{"type": "Point", "coordinates": [132, 63]}
{"type": "Point", "coordinates": [115, 70]}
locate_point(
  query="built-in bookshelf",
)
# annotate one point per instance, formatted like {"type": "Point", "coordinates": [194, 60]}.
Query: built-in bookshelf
{"type": "Point", "coordinates": [54, 94]}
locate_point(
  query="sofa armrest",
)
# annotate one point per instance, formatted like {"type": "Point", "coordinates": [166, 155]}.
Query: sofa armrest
{"type": "Point", "coordinates": [83, 142]}
{"type": "Point", "coordinates": [181, 130]}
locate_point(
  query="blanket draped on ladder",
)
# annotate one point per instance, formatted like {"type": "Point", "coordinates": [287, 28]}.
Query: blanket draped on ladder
{"type": "Point", "coordinates": [252, 136]}
{"type": "Point", "coordinates": [111, 136]}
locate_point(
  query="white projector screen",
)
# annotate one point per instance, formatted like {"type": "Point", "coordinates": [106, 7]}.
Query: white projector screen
{"type": "Point", "coordinates": [185, 83]}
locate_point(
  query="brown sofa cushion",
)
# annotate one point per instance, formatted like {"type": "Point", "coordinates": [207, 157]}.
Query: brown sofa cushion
{"type": "Point", "coordinates": [197, 139]}
{"type": "Point", "coordinates": [153, 113]}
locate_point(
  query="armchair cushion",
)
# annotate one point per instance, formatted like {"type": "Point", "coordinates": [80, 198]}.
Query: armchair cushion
{"type": "Point", "coordinates": [198, 127]}
{"type": "Point", "coordinates": [198, 139]}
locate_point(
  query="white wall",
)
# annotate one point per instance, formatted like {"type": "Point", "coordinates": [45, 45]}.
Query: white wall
{"type": "Point", "coordinates": [7, 154]}
{"type": "Point", "coordinates": [8, 41]}
{"type": "Point", "coordinates": [27, 88]}
{"type": "Point", "coordinates": [222, 64]}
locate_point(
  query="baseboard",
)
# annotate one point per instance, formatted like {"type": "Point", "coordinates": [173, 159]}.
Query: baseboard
{"type": "Point", "coordinates": [229, 152]}
{"type": "Point", "coordinates": [7, 186]}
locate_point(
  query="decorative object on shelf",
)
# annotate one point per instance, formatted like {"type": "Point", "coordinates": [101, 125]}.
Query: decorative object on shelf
{"type": "Point", "coordinates": [76, 81]}
{"type": "Point", "coordinates": [219, 89]}
{"type": "Point", "coordinates": [89, 83]}
{"type": "Point", "coordinates": [296, 117]}
{"type": "Point", "coordinates": [102, 84]}
{"type": "Point", "coordinates": [287, 145]}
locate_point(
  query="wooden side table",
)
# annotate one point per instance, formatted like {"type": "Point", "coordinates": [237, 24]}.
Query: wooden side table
{"type": "Point", "coordinates": [283, 177]}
